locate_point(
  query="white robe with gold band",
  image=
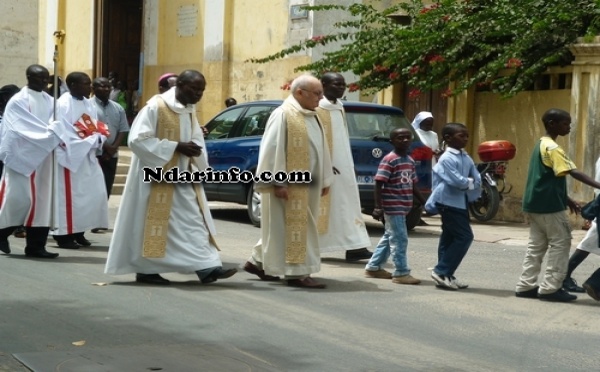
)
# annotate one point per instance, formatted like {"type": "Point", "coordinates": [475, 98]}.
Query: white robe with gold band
{"type": "Point", "coordinates": [271, 250]}
{"type": "Point", "coordinates": [81, 194]}
{"type": "Point", "coordinates": [188, 248]}
{"type": "Point", "coordinates": [346, 224]}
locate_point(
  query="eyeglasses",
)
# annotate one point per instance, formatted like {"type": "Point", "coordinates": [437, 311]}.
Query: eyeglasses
{"type": "Point", "coordinates": [318, 94]}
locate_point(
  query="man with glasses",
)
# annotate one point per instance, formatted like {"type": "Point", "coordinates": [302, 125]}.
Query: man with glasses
{"type": "Point", "coordinates": [291, 221]}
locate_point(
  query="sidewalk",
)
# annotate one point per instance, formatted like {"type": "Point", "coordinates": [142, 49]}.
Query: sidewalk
{"type": "Point", "coordinates": [508, 233]}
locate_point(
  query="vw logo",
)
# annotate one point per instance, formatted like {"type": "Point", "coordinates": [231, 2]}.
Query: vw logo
{"type": "Point", "coordinates": [377, 153]}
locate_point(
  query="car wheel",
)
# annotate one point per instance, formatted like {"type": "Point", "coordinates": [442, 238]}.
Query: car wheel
{"type": "Point", "coordinates": [413, 218]}
{"type": "Point", "coordinates": [253, 201]}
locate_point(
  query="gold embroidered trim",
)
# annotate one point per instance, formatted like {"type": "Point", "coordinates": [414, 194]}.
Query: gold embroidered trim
{"type": "Point", "coordinates": [161, 193]}
{"type": "Point", "coordinates": [325, 205]}
{"type": "Point", "coordinates": [296, 209]}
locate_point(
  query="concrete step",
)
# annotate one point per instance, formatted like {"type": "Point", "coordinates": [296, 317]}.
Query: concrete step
{"type": "Point", "coordinates": [117, 189]}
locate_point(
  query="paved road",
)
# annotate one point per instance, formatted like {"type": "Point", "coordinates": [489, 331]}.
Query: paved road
{"type": "Point", "coordinates": [59, 315]}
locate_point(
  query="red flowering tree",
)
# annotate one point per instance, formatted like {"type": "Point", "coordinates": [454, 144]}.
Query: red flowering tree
{"type": "Point", "coordinates": [464, 41]}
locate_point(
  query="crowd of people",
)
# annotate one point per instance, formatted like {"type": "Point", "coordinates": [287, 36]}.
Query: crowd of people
{"type": "Point", "coordinates": [60, 161]}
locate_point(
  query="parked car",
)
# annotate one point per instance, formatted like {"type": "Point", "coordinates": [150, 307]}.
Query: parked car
{"type": "Point", "coordinates": [234, 138]}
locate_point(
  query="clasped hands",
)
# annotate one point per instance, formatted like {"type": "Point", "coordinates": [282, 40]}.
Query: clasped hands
{"type": "Point", "coordinates": [190, 149]}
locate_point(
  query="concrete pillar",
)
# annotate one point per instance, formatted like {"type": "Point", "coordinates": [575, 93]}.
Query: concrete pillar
{"type": "Point", "coordinates": [584, 140]}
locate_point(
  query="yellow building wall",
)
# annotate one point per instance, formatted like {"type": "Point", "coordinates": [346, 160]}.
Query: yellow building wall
{"type": "Point", "coordinates": [261, 28]}
{"type": "Point", "coordinates": [517, 120]}
{"type": "Point", "coordinates": [76, 18]}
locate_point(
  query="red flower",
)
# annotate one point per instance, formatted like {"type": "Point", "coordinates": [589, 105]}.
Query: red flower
{"type": "Point", "coordinates": [286, 86]}
{"type": "Point", "coordinates": [446, 18]}
{"type": "Point", "coordinates": [394, 75]}
{"type": "Point", "coordinates": [414, 70]}
{"type": "Point", "coordinates": [422, 153]}
{"type": "Point", "coordinates": [514, 63]}
{"type": "Point", "coordinates": [353, 87]}
{"type": "Point", "coordinates": [318, 39]}
{"type": "Point", "coordinates": [414, 93]}
{"type": "Point", "coordinates": [436, 58]}
{"type": "Point", "coordinates": [379, 68]}
{"type": "Point", "coordinates": [429, 8]}
{"type": "Point", "coordinates": [447, 93]}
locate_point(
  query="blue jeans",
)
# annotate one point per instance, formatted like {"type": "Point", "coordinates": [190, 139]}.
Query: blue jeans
{"type": "Point", "coordinates": [393, 242]}
{"type": "Point", "coordinates": [455, 240]}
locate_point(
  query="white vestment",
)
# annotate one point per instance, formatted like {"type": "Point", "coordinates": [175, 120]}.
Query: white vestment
{"type": "Point", "coordinates": [81, 193]}
{"type": "Point", "coordinates": [346, 224]}
{"type": "Point", "coordinates": [271, 250]}
{"type": "Point", "coordinates": [28, 139]}
{"type": "Point", "coordinates": [188, 247]}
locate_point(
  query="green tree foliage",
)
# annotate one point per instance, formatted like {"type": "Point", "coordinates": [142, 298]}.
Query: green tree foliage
{"type": "Point", "coordinates": [469, 42]}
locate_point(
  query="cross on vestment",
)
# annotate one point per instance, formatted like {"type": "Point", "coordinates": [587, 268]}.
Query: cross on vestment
{"type": "Point", "coordinates": [156, 230]}
{"type": "Point", "coordinates": [297, 142]}
{"type": "Point", "coordinates": [296, 236]}
{"type": "Point", "coordinates": [161, 198]}
{"type": "Point", "coordinates": [296, 204]}
{"type": "Point", "coordinates": [169, 132]}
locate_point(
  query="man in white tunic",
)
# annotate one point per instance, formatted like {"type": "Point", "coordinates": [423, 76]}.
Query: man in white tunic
{"type": "Point", "coordinates": [82, 201]}
{"type": "Point", "coordinates": [28, 140]}
{"type": "Point", "coordinates": [166, 227]}
{"type": "Point", "coordinates": [346, 229]}
{"type": "Point", "coordinates": [293, 141]}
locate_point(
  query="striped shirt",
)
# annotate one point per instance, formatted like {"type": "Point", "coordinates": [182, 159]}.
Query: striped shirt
{"type": "Point", "coordinates": [398, 175]}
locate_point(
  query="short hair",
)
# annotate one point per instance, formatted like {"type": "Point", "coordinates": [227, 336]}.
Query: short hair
{"type": "Point", "coordinates": [230, 101]}
{"type": "Point", "coordinates": [328, 77]}
{"type": "Point", "coordinates": [163, 81]}
{"type": "Point", "coordinates": [33, 69]}
{"type": "Point", "coordinates": [302, 82]}
{"type": "Point", "coordinates": [554, 114]}
{"type": "Point", "coordinates": [395, 131]}
{"type": "Point", "coordinates": [99, 81]}
{"type": "Point", "coordinates": [189, 75]}
{"type": "Point", "coordinates": [75, 77]}
{"type": "Point", "coordinates": [451, 128]}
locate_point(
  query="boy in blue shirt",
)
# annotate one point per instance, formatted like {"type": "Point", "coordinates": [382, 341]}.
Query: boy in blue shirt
{"type": "Point", "coordinates": [395, 184]}
{"type": "Point", "coordinates": [456, 182]}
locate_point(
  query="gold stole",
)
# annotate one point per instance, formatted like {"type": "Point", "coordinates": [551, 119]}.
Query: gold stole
{"type": "Point", "coordinates": [324, 208]}
{"type": "Point", "coordinates": [161, 193]}
{"type": "Point", "coordinates": [296, 207]}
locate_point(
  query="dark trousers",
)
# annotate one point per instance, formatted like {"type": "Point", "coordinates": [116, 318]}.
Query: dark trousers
{"type": "Point", "coordinates": [109, 169]}
{"type": "Point", "coordinates": [35, 240]}
{"type": "Point", "coordinates": [455, 240]}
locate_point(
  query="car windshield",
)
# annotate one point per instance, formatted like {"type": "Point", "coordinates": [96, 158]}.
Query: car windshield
{"type": "Point", "coordinates": [377, 126]}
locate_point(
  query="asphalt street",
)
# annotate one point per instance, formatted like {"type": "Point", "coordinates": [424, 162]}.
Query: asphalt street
{"type": "Point", "coordinates": [66, 315]}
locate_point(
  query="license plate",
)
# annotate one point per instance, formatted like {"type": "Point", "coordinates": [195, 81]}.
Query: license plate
{"type": "Point", "coordinates": [365, 180]}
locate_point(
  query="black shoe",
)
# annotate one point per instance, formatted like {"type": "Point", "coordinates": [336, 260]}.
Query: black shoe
{"type": "Point", "coordinates": [39, 253]}
{"type": "Point", "coordinates": [5, 246]}
{"type": "Point", "coordinates": [218, 273]}
{"type": "Point", "coordinates": [81, 240]}
{"type": "Point", "coordinates": [591, 291]}
{"type": "Point", "coordinates": [69, 245]}
{"type": "Point", "coordinates": [559, 296]}
{"type": "Point", "coordinates": [532, 293]}
{"type": "Point", "coordinates": [155, 279]}
{"type": "Point", "coordinates": [570, 285]}
{"type": "Point", "coordinates": [353, 255]}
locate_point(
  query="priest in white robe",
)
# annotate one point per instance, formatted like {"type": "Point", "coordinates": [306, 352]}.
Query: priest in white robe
{"type": "Point", "coordinates": [81, 196]}
{"type": "Point", "coordinates": [29, 137]}
{"type": "Point", "coordinates": [166, 227]}
{"type": "Point", "coordinates": [347, 230]}
{"type": "Point", "coordinates": [290, 221]}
